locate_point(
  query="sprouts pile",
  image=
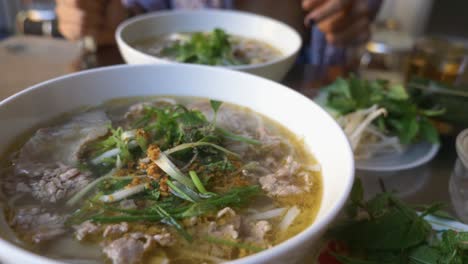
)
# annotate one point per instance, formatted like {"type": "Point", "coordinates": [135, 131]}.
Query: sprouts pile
{"type": "Point", "coordinates": [378, 117]}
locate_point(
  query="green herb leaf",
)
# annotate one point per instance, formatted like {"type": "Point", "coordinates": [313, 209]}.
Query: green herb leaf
{"type": "Point", "coordinates": [404, 118]}
{"type": "Point", "coordinates": [397, 92]}
{"type": "Point", "coordinates": [215, 105]}
{"type": "Point", "coordinates": [204, 48]}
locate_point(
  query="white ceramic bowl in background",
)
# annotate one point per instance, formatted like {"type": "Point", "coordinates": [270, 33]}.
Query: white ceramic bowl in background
{"type": "Point", "coordinates": [321, 134]}
{"type": "Point", "coordinates": [276, 33]}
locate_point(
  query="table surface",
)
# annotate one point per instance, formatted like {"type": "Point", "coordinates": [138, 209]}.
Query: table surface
{"type": "Point", "coordinates": [423, 185]}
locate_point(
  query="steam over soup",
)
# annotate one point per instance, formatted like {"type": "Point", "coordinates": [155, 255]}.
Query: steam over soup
{"type": "Point", "coordinates": [177, 179]}
{"type": "Point", "coordinates": [211, 48]}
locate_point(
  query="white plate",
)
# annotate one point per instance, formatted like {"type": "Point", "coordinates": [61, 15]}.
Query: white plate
{"type": "Point", "coordinates": [414, 156]}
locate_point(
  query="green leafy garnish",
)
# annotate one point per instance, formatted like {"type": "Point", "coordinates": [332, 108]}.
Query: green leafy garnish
{"type": "Point", "coordinates": [212, 48]}
{"type": "Point", "coordinates": [403, 116]}
{"type": "Point", "coordinates": [215, 106]}
{"type": "Point", "coordinates": [385, 230]}
{"type": "Point", "coordinates": [179, 192]}
{"type": "Point", "coordinates": [199, 184]}
{"type": "Point", "coordinates": [169, 219]}
{"type": "Point", "coordinates": [168, 147]}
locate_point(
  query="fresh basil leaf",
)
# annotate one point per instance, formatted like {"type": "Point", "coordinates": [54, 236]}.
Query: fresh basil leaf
{"type": "Point", "coordinates": [428, 131]}
{"type": "Point", "coordinates": [397, 92]}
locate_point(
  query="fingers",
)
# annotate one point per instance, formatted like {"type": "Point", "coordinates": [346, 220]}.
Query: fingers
{"type": "Point", "coordinates": [344, 22]}
{"type": "Point", "coordinates": [327, 9]}
{"type": "Point", "coordinates": [75, 32]}
{"type": "Point", "coordinates": [308, 5]}
{"type": "Point", "coordinates": [88, 5]}
{"type": "Point", "coordinates": [340, 20]}
{"type": "Point", "coordinates": [357, 33]}
{"type": "Point", "coordinates": [77, 18]}
{"type": "Point", "coordinates": [105, 37]}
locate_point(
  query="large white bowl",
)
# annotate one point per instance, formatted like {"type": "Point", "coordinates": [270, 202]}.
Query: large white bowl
{"type": "Point", "coordinates": [276, 33]}
{"type": "Point", "coordinates": [321, 134]}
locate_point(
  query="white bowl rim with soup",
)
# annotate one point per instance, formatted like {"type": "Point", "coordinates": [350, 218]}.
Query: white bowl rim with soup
{"type": "Point", "coordinates": [322, 135]}
{"type": "Point", "coordinates": [276, 33]}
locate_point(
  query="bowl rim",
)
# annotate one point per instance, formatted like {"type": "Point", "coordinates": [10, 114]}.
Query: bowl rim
{"type": "Point", "coordinates": [164, 13]}
{"type": "Point", "coordinates": [315, 227]}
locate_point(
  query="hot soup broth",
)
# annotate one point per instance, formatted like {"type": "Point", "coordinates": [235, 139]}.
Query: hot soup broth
{"type": "Point", "coordinates": [212, 48]}
{"type": "Point", "coordinates": [178, 179]}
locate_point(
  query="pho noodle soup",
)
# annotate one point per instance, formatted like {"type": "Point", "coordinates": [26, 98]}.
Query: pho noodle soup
{"type": "Point", "coordinates": [158, 180]}
{"type": "Point", "coordinates": [210, 48]}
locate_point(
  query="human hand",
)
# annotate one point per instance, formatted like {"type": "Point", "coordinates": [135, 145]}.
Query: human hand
{"type": "Point", "coordinates": [95, 18]}
{"type": "Point", "coordinates": [344, 22]}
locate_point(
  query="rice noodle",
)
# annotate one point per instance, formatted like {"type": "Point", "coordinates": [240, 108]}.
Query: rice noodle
{"type": "Point", "coordinates": [123, 193]}
{"type": "Point", "coordinates": [267, 214]}
{"type": "Point", "coordinates": [314, 168]}
{"type": "Point", "coordinates": [289, 218]}
{"type": "Point", "coordinates": [202, 256]}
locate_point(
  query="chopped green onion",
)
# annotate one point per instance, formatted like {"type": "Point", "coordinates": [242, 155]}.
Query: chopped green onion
{"type": "Point", "coordinates": [169, 220]}
{"type": "Point", "coordinates": [110, 175]}
{"type": "Point", "coordinates": [229, 135]}
{"type": "Point", "coordinates": [199, 184]}
{"type": "Point", "coordinates": [125, 218]}
{"type": "Point", "coordinates": [122, 193]}
{"type": "Point", "coordinates": [198, 144]}
{"type": "Point", "coordinates": [88, 188]}
{"type": "Point", "coordinates": [179, 192]}
{"type": "Point", "coordinates": [168, 167]}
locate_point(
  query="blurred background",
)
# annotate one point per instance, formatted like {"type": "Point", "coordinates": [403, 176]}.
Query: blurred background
{"type": "Point", "coordinates": [425, 38]}
{"type": "Point", "coordinates": [417, 17]}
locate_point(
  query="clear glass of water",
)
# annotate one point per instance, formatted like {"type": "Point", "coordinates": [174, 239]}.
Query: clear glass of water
{"type": "Point", "coordinates": [458, 185]}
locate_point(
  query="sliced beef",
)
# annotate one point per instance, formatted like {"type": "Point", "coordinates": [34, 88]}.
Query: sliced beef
{"type": "Point", "coordinates": [128, 204]}
{"type": "Point", "coordinates": [226, 226]}
{"type": "Point", "coordinates": [131, 248]}
{"type": "Point", "coordinates": [164, 239]}
{"type": "Point", "coordinates": [281, 182]}
{"type": "Point", "coordinates": [59, 183]}
{"type": "Point", "coordinates": [38, 224]}
{"type": "Point", "coordinates": [116, 230]}
{"type": "Point", "coordinates": [256, 232]}
{"type": "Point", "coordinates": [46, 166]}
{"type": "Point", "coordinates": [125, 250]}
{"type": "Point", "coordinates": [86, 229]}
{"type": "Point", "coordinates": [60, 144]}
